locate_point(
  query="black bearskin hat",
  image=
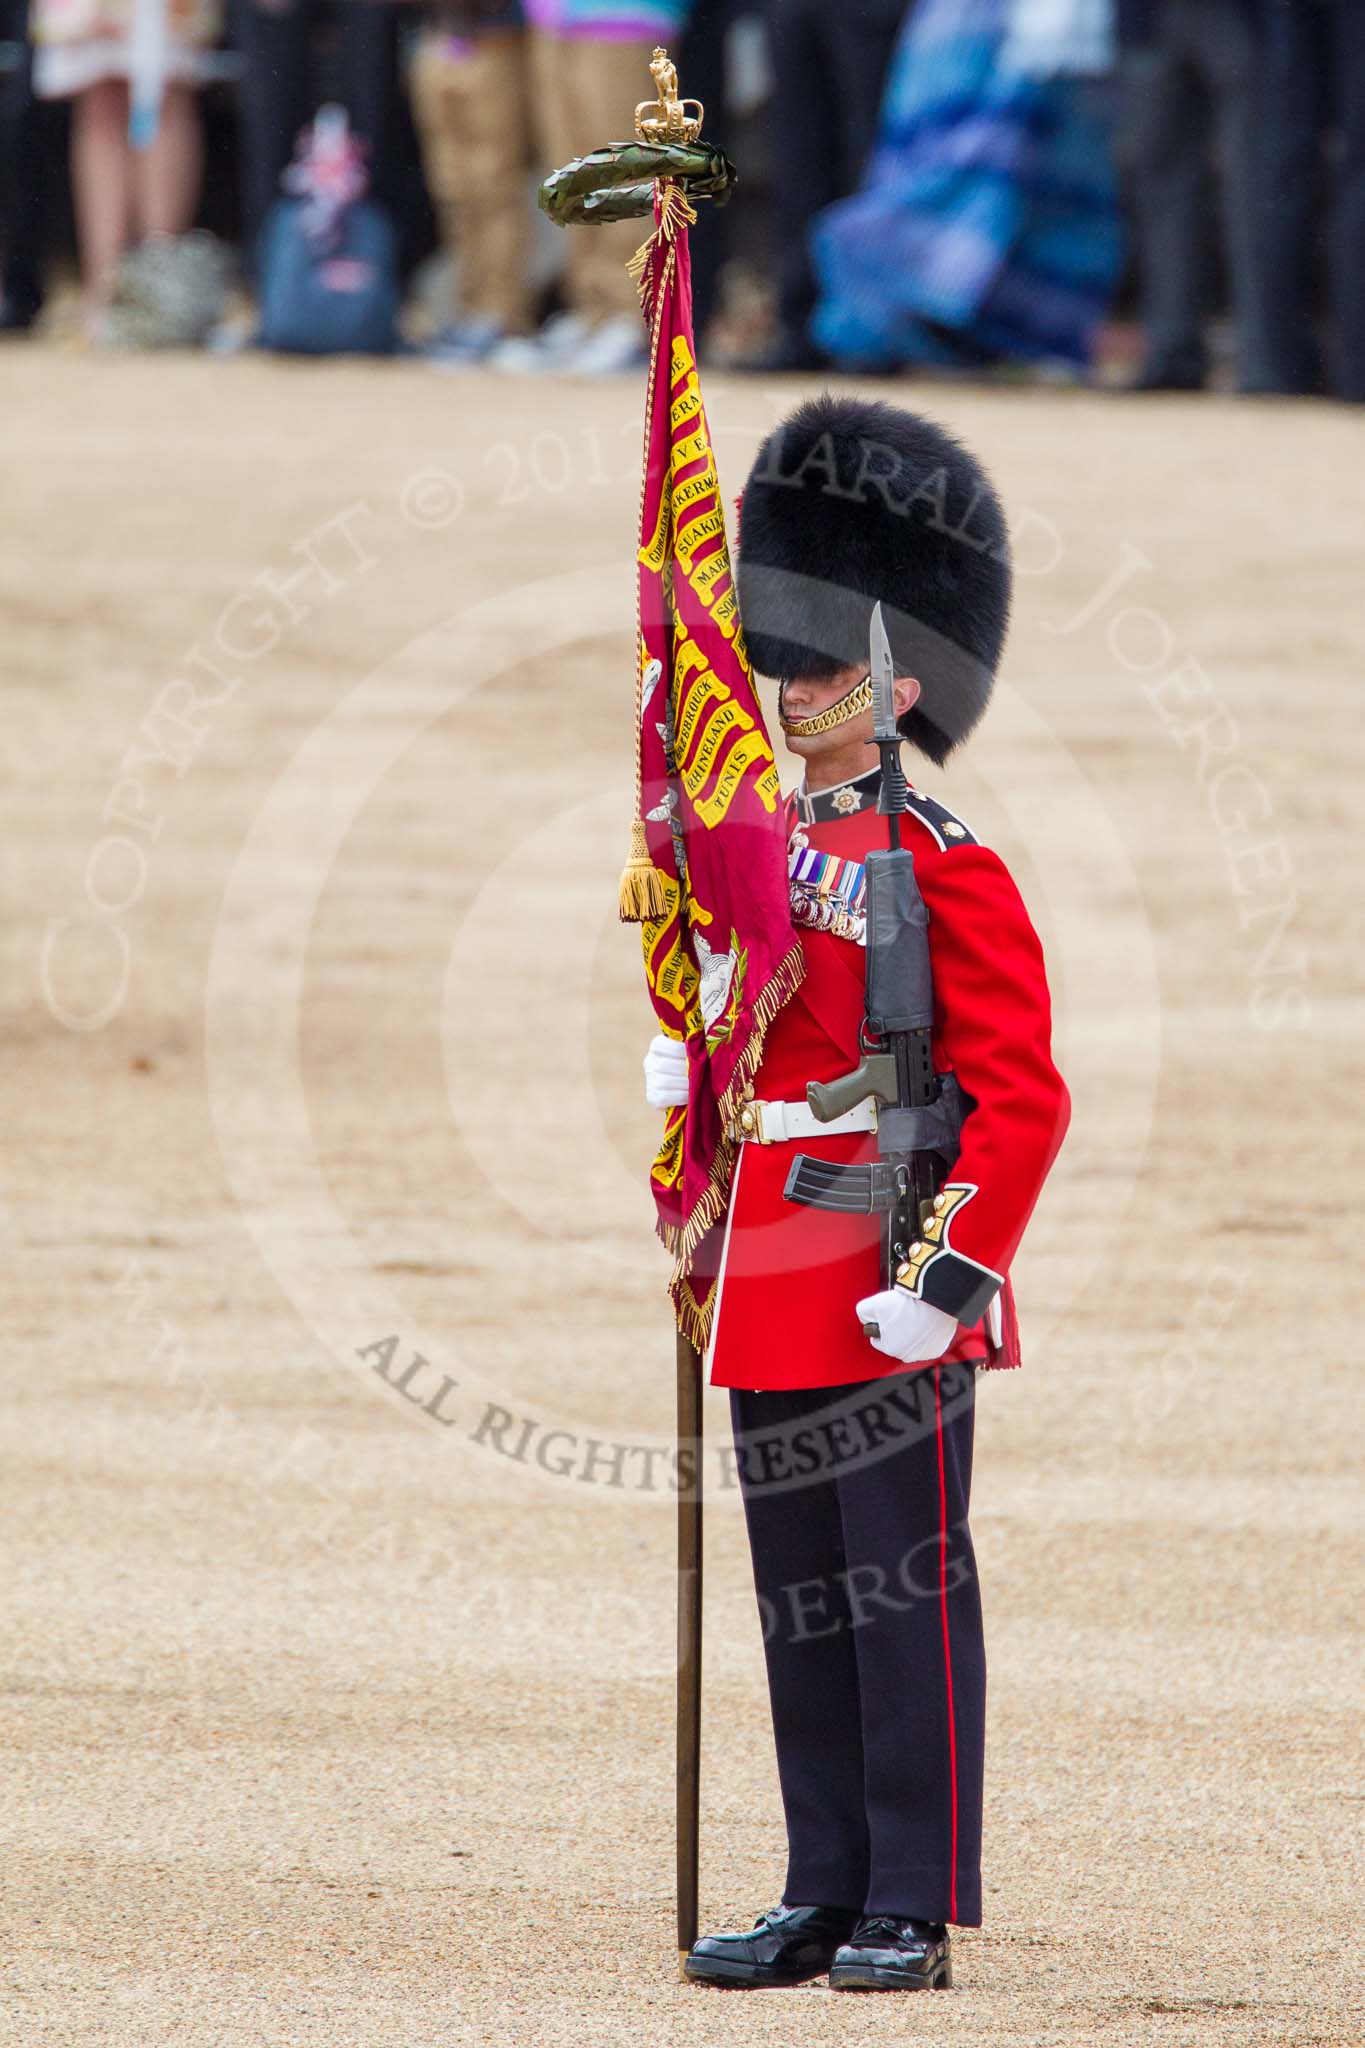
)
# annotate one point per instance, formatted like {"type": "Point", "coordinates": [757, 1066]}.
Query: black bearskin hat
{"type": "Point", "coordinates": [850, 501]}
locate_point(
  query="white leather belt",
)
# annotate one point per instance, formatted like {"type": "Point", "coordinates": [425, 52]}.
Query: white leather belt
{"type": "Point", "coordinates": [777, 1123]}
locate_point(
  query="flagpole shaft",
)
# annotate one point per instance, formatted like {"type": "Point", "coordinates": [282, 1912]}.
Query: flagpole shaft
{"type": "Point", "coordinates": [689, 1637]}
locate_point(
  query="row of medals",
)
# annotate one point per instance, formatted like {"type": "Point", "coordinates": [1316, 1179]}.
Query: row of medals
{"type": "Point", "coordinates": [811, 909]}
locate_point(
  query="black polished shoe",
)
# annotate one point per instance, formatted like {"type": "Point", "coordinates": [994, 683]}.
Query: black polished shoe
{"type": "Point", "coordinates": [17, 315]}
{"type": "Point", "coordinates": [787, 1945]}
{"type": "Point", "coordinates": [887, 1954]}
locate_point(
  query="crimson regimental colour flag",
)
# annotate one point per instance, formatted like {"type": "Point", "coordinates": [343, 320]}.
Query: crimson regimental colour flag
{"type": "Point", "coordinates": [721, 954]}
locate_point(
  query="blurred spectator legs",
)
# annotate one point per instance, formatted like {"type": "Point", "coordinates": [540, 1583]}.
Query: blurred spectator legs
{"type": "Point", "coordinates": [585, 88]}
{"type": "Point", "coordinates": [101, 182]}
{"type": "Point", "coordinates": [470, 100]}
{"type": "Point", "coordinates": [1315, 79]}
{"type": "Point", "coordinates": [167, 177]}
{"type": "Point", "coordinates": [277, 96]}
{"type": "Point", "coordinates": [830, 63]}
{"type": "Point", "coordinates": [122, 193]}
{"type": "Point", "coordinates": [701, 68]}
{"type": "Point", "coordinates": [1201, 66]}
{"type": "Point", "coordinates": [25, 135]}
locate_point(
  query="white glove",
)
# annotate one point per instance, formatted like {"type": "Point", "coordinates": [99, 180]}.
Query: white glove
{"type": "Point", "coordinates": [910, 1330]}
{"type": "Point", "coordinates": [665, 1073]}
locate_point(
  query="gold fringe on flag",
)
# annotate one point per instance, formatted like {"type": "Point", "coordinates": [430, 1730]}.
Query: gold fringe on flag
{"type": "Point", "coordinates": [675, 211]}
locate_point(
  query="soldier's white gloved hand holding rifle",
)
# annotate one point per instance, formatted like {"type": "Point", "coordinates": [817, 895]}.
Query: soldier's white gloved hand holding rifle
{"type": "Point", "coordinates": [666, 1073]}
{"type": "Point", "coordinates": [908, 1328]}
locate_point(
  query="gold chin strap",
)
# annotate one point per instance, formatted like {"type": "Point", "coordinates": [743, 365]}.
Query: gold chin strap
{"type": "Point", "coordinates": [859, 698]}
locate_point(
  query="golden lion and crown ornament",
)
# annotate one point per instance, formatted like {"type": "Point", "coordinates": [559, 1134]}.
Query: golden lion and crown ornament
{"type": "Point", "coordinates": [665, 118]}
{"type": "Point", "coordinates": [617, 182]}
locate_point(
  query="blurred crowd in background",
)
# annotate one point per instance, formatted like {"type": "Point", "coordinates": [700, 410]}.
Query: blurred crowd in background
{"type": "Point", "coordinates": [967, 185]}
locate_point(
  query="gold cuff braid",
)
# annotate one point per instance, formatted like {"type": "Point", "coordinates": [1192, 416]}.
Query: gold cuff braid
{"type": "Point", "coordinates": [859, 698]}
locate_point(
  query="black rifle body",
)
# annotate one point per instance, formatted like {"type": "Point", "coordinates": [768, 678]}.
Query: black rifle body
{"type": "Point", "coordinates": [920, 1113]}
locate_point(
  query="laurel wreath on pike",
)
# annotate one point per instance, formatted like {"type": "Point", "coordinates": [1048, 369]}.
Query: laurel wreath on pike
{"type": "Point", "coordinates": [617, 182]}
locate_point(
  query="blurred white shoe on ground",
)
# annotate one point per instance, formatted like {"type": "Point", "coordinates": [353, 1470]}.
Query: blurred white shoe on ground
{"type": "Point", "coordinates": [617, 344]}
{"type": "Point", "coordinates": [552, 349]}
{"type": "Point", "coordinates": [465, 343]}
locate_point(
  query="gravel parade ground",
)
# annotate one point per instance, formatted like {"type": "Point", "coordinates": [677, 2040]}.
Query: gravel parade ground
{"type": "Point", "coordinates": [339, 1597]}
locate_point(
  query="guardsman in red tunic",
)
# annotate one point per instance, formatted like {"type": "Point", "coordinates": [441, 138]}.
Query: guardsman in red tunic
{"type": "Point", "coordinates": [854, 1452]}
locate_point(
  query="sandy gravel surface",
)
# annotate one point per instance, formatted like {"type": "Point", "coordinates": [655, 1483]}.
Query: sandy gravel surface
{"type": "Point", "coordinates": [338, 1651]}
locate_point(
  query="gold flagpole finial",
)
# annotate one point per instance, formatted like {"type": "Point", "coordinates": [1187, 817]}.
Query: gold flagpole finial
{"type": "Point", "coordinates": [666, 118]}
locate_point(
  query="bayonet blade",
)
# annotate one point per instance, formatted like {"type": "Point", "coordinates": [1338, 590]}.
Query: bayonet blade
{"type": "Point", "coordinates": [885, 736]}
{"type": "Point", "coordinates": [883, 674]}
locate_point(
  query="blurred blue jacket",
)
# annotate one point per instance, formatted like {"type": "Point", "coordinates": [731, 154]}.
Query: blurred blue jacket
{"type": "Point", "coordinates": [987, 223]}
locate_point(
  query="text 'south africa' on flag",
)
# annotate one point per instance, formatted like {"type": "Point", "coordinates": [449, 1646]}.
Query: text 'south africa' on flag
{"type": "Point", "coordinates": [708, 874]}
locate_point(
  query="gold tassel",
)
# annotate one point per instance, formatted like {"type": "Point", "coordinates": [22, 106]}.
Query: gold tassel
{"type": "Point", "coordinates": [635, 266]}
{"type": "Point", "coordinates": [642, 887]}
{"type": "Point", "coordinates": [675, 210]}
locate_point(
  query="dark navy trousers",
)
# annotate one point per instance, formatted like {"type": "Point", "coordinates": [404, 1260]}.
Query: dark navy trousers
{"type": "Point", "coordinates": [856, 1502]}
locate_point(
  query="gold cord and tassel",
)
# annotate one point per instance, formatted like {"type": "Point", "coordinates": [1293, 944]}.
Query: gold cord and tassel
{"type": "Point", "coordinates": [675, 210]}
{"type": "Point", "coordinates": [642, 886]}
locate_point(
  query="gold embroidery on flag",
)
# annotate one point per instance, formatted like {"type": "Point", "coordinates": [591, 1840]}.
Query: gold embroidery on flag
{"type": "Point", "coordinates": [692, 448]}
{"type": "Point", "coordinates": [687, 405]}
{"type": "Point", "coordinates": [742, 755]}
{"type": "Point", "coordinates": [702, 575]}
{"type": "Point", "coordinates": [725, 614]}
{"type": "Point", "coordinates": [668, 1161]}
{"type": "Point", "coordinates": [655, 552]}
{"type": "Point", "coordinates": [699, 694]}
{"type": "Point", "coordinates": [694, 492]}
{"type": "Point", "coordinates": [669, 970]}
{"type": "Point", "coordinates": [687, 656]}
{"type": "Point", "coordinates": [705, 526]}
{"type": "Point", "coordinates": [726, 718]}
{"type": "Point", "coordinates": [673, 979]}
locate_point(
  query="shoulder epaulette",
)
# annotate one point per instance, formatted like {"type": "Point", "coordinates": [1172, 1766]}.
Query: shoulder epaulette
{"type": "Point", "coordinates": [937, 819]}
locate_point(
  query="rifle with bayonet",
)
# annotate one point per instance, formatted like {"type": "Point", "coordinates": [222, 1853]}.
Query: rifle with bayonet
{"type": "Point", "coordinates": [920, 1113]}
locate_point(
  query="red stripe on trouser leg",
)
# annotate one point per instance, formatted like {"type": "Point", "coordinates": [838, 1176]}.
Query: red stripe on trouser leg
{"type": "Point", "coordinates": [947, 1641]}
